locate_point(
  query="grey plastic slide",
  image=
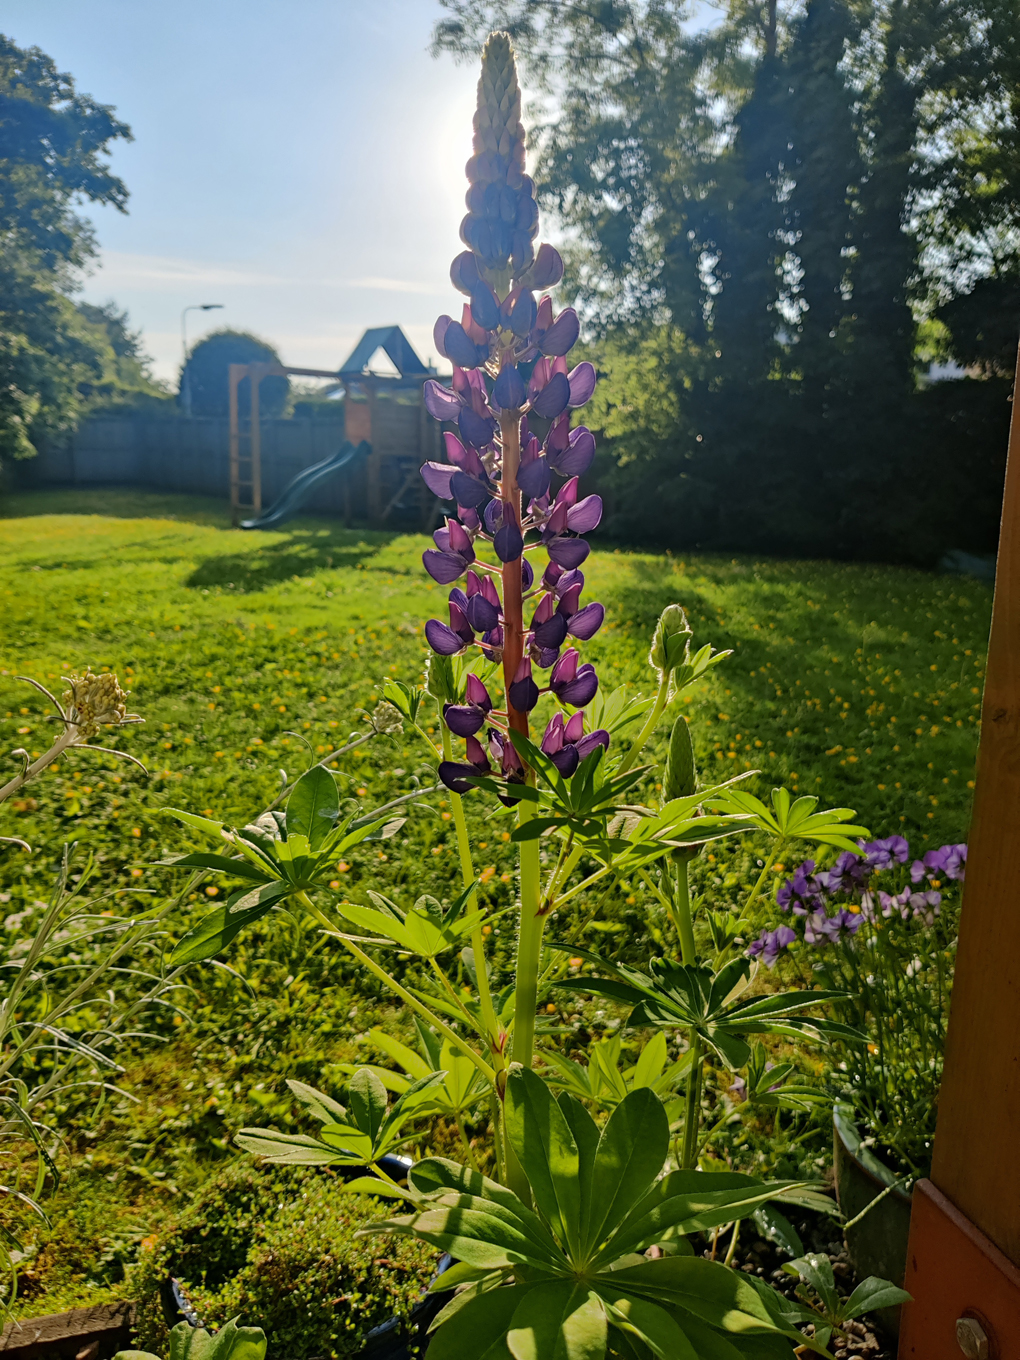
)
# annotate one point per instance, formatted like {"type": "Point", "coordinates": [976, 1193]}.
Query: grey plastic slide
{"type": "Point", "coordinates": [296, 492]}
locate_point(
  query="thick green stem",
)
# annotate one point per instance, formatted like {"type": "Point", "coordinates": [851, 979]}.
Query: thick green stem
{"type": "Point", "coordinates": [692, 1114]}
{"type": "Point", "coordinates": [684, 920]}
{"type": "Point", "coordinates": [395, 986]}
{"type": "Point", "coordinates": [756, 890]}
{"type": "Point", "coordinates": [529, 948]}
{"type": "Point", "coordinates": [661, 695]}
{"type": "Point", "coordinates": [467, 871]}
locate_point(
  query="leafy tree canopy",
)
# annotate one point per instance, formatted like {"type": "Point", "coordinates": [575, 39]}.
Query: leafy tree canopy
{"type": "Point", "coordinates": [53, 145]}
{"type": "Point", "coordinates": [206, 374]}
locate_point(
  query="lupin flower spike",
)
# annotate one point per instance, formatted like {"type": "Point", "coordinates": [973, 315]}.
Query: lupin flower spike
{"type": "Point", "coordinates": [514, 488]}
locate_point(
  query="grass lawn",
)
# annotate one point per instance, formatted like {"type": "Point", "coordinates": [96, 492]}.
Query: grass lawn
{"type": "Point", "coordinates": [243, 650]}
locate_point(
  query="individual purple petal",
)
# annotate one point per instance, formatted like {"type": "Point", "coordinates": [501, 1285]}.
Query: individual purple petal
{"type": "Point", "coordinates": [508, 542]}
{"type": "Point", "coordinates": [442, 639]}
{"type": "Point", "coordinates": [493, 516]}
{"type": "Point", "coordinates": [570, 596]}
{"type": "Point", "coordinates": [553, 398]}
{"type": "Point", "coordinates": [440, 402]}
{"type": "Point", "coordinates": [476, 693]}
{"type": "Point", "coordinates": [562, 334]}
{"type": "Point", "coordinates": [566, 761]}
{"type": "Point", "coordinates": [522, 691]}
{"type": "Point", "coordinates": [455, 775]}
{"type": "Point", "coordinates": [463, 720]}
{"type": "Point", "coordinates": [546, 657]}
{"type": "Point", "coordinates": [523, 314]}
{"type": "Point", "coordinates": [578, 456]}
{"type": "Point", "coordinates": [436, 477]}
{"type": "Point", "coordinates": [492, 644]}
{"type": "Point", "coordinates": [438, 334]}
{"type": "Point", "coordinates": [600, 737]}
{"type": "Point", "coordinates": [566, 668]}
{"type": "Point", "coordinates": [547, 269]}
{"type": "Point", "coordinates": [481, 613]}
{"type": "Point", "coordinates": [533, 478]}
{"type": "Point", "coordinates": [552, 738]}
{"type": "Point", "coordinates": [583, 517]}
{"type": "Point", "coordinates": [552, 633]}
{"type": "Point", "coordinates": [527, 575]}
{"type": "Point", "coordinates": [460, 348]}
{"type": "Point", "coordinates": [485, 307]}
{"type": "Point", "coordinates": [568, 552]}
{"type": "Point", "coordinates": [443, 567]}
{"type": "Point", "coordinates": [581, 690]}
{"type": "Point", "coordinates": [476, 430]}
{"type": "Point", "coordinates": [470, 491]}
{"type": "Point", "coordinates": [464, 273]}
{"type": "Point", "coordinates": [508, 391]}
{"type": "Point", "coordinates": [573, 728]}
{"type": "Point", "coordinates": [582, 384]}
{"type": "Point", "coordinates": [586, 622]}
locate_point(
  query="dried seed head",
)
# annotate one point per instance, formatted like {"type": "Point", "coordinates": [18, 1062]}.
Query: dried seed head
{"type": "Point", "coordinates": [95, 701]}
{"type": "Point", "coordinates": [385, 718]}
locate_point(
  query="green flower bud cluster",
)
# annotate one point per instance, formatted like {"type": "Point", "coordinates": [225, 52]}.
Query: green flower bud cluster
{"type": "Point", "coordinates": [680, 778]}
{"type": "Point", "coordinates": [671, 642]}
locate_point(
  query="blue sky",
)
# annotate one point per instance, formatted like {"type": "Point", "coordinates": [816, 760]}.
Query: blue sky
{"type": "Point", "coordinates": [301, 163]}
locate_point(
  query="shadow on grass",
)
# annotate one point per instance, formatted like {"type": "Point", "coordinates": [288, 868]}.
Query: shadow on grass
{"type": "Point", "coordinates": [303, 552]}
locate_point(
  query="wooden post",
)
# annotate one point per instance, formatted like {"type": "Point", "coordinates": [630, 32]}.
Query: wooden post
{"type": "Point", "coordinates": [235, 374]}
{"type": "Point", "coordinates": [972, 1204]}
{"type": "Point", "coordinates": [255, 370]}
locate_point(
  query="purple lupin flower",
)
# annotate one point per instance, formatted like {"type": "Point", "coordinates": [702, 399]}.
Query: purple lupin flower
{"type": "Point", "coordinates": [770, 944]}
{"type": "Point", "coordinates": [566, 744]}
{"type": "Point", "coordinates": [452, 772]}
{"type": "Point", "coordinates": [509, 354]}
{"type": "Point", "coordinates": [468, 718]}
{"type": "Point", "coordinates": [571, 683]}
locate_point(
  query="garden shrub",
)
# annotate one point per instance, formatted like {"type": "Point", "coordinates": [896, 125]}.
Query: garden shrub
{"type": "Point", "coordinates": [276, 1247]}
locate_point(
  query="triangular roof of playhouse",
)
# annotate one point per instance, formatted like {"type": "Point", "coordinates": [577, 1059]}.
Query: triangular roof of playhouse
{"type": "Point", "coordinates": [394, 344]}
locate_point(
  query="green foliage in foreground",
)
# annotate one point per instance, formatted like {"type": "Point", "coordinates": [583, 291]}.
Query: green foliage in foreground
{"type": "Point", "coordinates": [278, 1246]}
{"type": "Point", "coordinates": [576, 1281]}
{"type": "Point", "coordinates": [860, 683]}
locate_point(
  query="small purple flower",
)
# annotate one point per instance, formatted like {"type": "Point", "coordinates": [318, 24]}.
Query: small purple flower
{"type": "Point", "coordinates": [483, 606]}
{"type": "Point", "coordinates": [523, 691]}
{"type": "Point", "coordinates": [948, 860]}
{"type": "Point", "coordinates": [452, 772]}
{"type": "Point", "coordinates": [804, 892]}
{"type": "Point", "coordinates": [452, 555]}
{"type": "Point", "coordinates": [884, 854]}
{"type": "Point", "coordinates": [571, 683]}
{"type": "Point", "coordinates": [570, 452]}
{"type": "Point", "coordinates": [468, 718]}
{"type": "Point", "coordinates": [925, 906]}
{"type": "Point", "coordinates": [847, 875]}
{"type": "Point", "coordinates": [566, 745]}
{"type": "Point", "coordinates": [770, 944]}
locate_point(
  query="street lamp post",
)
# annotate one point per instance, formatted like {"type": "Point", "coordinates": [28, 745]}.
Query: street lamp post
{"type": "Point", "coordinates": [185, 382]}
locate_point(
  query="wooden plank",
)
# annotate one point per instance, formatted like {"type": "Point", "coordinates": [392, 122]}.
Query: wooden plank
{"type": "Point", "coordinates": [102, 1331]}
{"type": "Point", "coordinates": [975, 1163]}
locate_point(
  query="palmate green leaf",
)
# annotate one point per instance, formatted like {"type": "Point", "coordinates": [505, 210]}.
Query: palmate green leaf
{"type": "Point", "coordinates": [874, 1293]}
{"type": "Point", "coordinates": [288, 1149]}
{"type": "Point", "coordinates": [437, 1175]}
{"type": "Point", "coordinates": [630, 1155]}
{"type": "Point", "coordinates": [482, 1237]}
{"type": "Point", "coordinates": [241, 868]}
{"type": "Point", "coordinates": [724, 1298]}
{"type": "Point", "coordinates": [477, 1331]}
{"type": "Point", "coordinates": [322, 1107]}
{"type": "Point", "coordinates": [795, 819]}
{"type": "Point", "coordinates": [367, 1097]}
{"type": "Point", "coordinates": [313, 808]}
{"type": "Point", "coordinates": [558, 1320]}
{"type": "Point", "coordinates": [204, 824]}
{"type": "Point", "coordinates": [648, 1323]}
{"type": "Point", "coordinates": [215, 931]}
{"type": "Point", "coordinates": [545, 1146]}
